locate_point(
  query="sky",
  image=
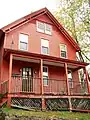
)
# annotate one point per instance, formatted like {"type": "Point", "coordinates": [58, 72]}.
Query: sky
{"type": "Point", "coordinates": [11, 10]}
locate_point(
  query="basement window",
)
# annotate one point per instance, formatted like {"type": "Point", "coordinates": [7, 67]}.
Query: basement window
{"type": "Point", "coordinates": [23, 42]}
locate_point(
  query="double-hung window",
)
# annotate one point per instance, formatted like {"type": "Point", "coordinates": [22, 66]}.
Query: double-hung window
{"type": "Point", "coordinates": [23, 42]}
{"type": "Point", "coordinates": [40, 27]}
{"type": "Point", "coordinates": [44, 28]}
{"type": "Point", "coordinates": [48, 29]}
{"type": "Point", "coordinates": [63, 51]}
{"type": "Point", "coordinates": [45, 75]}
{"type": "Point", "coordinates": [44, 46]}
{"type": "Point", "coordinates": [70, 79]}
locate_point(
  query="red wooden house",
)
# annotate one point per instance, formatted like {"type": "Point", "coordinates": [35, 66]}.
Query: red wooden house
{"type": "Point", "coordinates": [38, 65]}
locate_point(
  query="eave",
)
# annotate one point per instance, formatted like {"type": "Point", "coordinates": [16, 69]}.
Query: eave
{"type": "Point", "coordinates": [7, 52]}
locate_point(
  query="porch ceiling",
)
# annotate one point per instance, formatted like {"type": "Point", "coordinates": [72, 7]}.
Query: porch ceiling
{"type": "Point", "coordinates": [26, 59]}
{"type": "Point", "coordinates": [31, 60]}
{"type": "Point", "coordinates": [70, 66]}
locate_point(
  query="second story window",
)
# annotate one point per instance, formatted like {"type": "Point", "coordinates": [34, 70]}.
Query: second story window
{"type": "Point", "coordinates": [23, 42]}
{"type": "Point", "coordinates": [44, 28]}
{"type": "Point", "coordinates": [44, 46]}
{"type": "Point", "coordinates": [63, 51]}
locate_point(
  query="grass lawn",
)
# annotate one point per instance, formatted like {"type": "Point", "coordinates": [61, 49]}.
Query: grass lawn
{"type": "Point", "coordinates": [51, 114]}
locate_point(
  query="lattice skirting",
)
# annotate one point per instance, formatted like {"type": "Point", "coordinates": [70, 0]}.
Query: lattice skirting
{"type": "Point", "coordinates": [81, 103]}
{"type": "Point", "coordinates": [57, 104]}
{"type": "Point", "coordinates": [30, 103]}
{"type": "Point", "coordinates": [51, 103]}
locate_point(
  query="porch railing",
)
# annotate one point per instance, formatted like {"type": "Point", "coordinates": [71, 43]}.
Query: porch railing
{"type": "Point", "coordinates": [25, 85]}
{"type": "Point", "coordinates": [53, 86]}
{"type": "Point", "coordinates": [78, 88]}
{"type": "Point", "coordinates": [4, 87]}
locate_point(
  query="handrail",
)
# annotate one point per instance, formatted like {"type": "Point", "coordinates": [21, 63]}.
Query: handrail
{"type": "Point", "coordinates": [4, 82]}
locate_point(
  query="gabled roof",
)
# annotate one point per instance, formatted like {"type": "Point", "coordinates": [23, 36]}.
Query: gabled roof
{"type": "Point", "coordinates": [36, 14]}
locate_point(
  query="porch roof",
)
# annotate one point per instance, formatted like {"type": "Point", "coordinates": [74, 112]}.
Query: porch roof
{"type": "Point", "coordinates": [46, 58]}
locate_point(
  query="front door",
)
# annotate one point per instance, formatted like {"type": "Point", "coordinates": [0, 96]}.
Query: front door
{"type": "Point", "coordinates": [27, 80]}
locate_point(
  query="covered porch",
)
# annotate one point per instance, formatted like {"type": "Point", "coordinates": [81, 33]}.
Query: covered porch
{"type": "Point", "coordinates": [27, 74]}
{"type": "Point", "coordinates": [27, 80]}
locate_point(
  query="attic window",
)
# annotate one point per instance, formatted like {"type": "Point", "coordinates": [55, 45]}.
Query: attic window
{"type": "Point", "coordinates": [48, 29]}
{"type": "Point", "coordinates": [44, 28]}
{"type": "Point", "coordinates": [63, 51]}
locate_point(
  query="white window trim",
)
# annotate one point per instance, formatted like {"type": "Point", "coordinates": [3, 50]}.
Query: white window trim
{"type": "Point", "coordinates": [43, 31]}
{"type": "Point", "coordinates": [39, 30]}
{"type": "Point", "coordinates": [22, 41]}
{"type": "Point", "coordinates": [60, 50]}
{"type": "Point", "coordinates": [45, 74]}
{"type": "Point", "coordinates": [47, 32]}
{"type": "Point", "coordinates": [45, 46]}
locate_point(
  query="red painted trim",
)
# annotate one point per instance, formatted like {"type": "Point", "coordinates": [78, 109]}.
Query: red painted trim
{"type": "Point", "coordinates": [43, 104]}
{"type": "Point", "coordinates": [87, 80]}
{"type": "Point", "coordinates": [44, 57]}
{"type": "Point", "coordinates": [35, 15]}
{"type": "Point", "coordinates": [66, 74]}
{"type": "Point", "coordinates": [9, 83]}
{"type": "Point", "coordinates": [47, 96]}
{"type": "Point", "coordinates": [65, 33]}
{"type": "Point", "coordinates": [41, 75]}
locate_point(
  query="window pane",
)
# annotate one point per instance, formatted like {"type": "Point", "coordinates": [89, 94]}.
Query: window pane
{"type": "Point", "coordinates": [23, 46]}
{"type": "Point", "coordinates": [48, 29]}
{"type": "Point", "coordinates": [45, 69]}
{"type": "Point", "coordinates": [44, 50]}
{"type": "Point", "coordinates": [45, 80]}
{"type": "Point", "coordinates": [70, 79]}
{"type": "Point", "coordinates": [23, 38]}
{"type": "Point", "coordinates": [63, 47]}
{"type": "Point", "coordinates": [63, 54]}
{"type": "Point", "coordinates": [40, 26]}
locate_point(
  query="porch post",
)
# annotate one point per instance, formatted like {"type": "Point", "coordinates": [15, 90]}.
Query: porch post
{"type": "Point", "coordinates": [9, 83]}
{"type": "Point", "coordinates": [41, 85]}
{"type": "Point", "coordinates": [86, 78]}
{"type": "Point", "coordinates": [67, 84]}
{"type": "Point", "coordinates": [41, 76]}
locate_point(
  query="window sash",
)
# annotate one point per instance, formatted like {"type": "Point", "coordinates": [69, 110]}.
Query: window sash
{"type": "Point", "coordinates": [44, 27]}
{"type": "Point", "coordinates": [40, 27]}
{"type": "Point", "coordinates": [48, 29]}
{"type": "Point", "coordinates": [45, 80]}
{"type": "Point", "coordinates": [23, 45]}
{"type": "Point", "coordinates": [63, 51]}
{"type": "Point", "coordinates": [23, 38]}
{"type": "Point", "coordinates": [23, 41]}
{"type": "Point", "coordinates": [63, 54]}
{"type": "Point", "coordinates": [45, 50]}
